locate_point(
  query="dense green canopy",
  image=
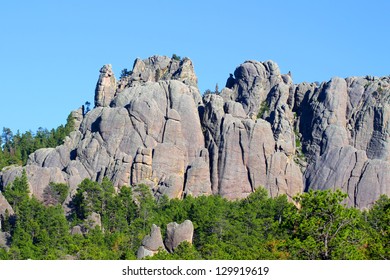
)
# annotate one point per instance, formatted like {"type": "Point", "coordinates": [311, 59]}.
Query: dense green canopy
{"type": "Point", "coordinates": [15, 149]}
{"type": "Point", "coordinates": [317, 225]}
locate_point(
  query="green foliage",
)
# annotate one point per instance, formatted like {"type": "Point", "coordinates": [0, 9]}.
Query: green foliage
{"type": "Point", "coordinates": [324, 228]}
{"type": "Point", "coordinates": [88, 199]}
{"type": "Point", "coordinates": [264, 109]}
{"type": "Point", "coordinates": [16, 148]}
{"type": "Point", "coordinates": [298, 143]}
{"type": "Point", "coordinates": [368, 84]}
{"type": "Point", "coordinates": [318, 226]}
{"type": "Point", "coordinates": [207, 91]}
{"type": "Point", "coordinates": [185, 251]}
{"type": "Point", "coordinates": [38, 232]}
{"type": "Point", "coordinates": [299, 157]}
{"type": "Point", "coordinates": [176, 57]}
{"type": "Point", "coordinates": [55, 193]}
{"type": "Point", "coordinates": [18, 191]}
{"type": "Point", "coordinates": [3, 254]}
{"type": "Point", "coordinates": [125, 73]}
{"type": "Point", "coordinates": [378, 218]}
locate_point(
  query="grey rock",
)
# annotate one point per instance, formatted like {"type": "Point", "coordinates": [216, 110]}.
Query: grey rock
{"type": "Point", "coordinates": [244, 152]}
{"type": "Point", "coordinates": [350, 170]}
{"type": "Point", "coordinates": [4, 208]}
{"type": "Point", "coordinates": [156, 114]}
{"type": "Point", "coordinates": [177, 233]}
{"type": "Point", "coordinates": [154, 241]}
{"type": "Point", "coordinates": [235, 109]}
{"type": "Point", "coordinates": [38, 178]}
{"type": "Point", "coordinates": [76, 230]}
{"type": "Point", "coordinates": [152, 126]}
{"type": "Point", "coordinates": [261, 147]}
{"type": "Point", "coordinates": [345, 132]}
{"type": "Point", "coordinates": [327, 106]}
{"type": "Point", "coordinates": [143, 252]}
{"type": "Point", "coordinates": [5, 240]}
{"type": "Point", "coordinates": [198, 176]}
{"type": "Point", "coordinates": [93, 220]}
{"type": "Point", "coordinates": [158, 68]}
{"type": "Point", "coordinates": [105, 87]}
{"type": "Point", "coordinates": [77, 116]}
{"type": "Point", "coordinates": [253, 81]}
{"type": "Point", "coordinates": [282, 118]}
{"type": "Point", "coordinates": [233, 174]}
{"type": "Point", "coordinates": [142, 166]}
{"type": "Point", "coordinates": [171, 186]}
{"type": "Point", "coordinates": [284, 176]}
{"type": "Point", "coordinates": [374, 182]}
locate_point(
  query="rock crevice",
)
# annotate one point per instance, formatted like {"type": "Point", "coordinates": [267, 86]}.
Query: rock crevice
{"type": "Point", "coordinates": [153, 126]}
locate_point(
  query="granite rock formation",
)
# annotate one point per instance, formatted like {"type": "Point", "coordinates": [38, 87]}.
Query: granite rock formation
{"type": "Point", "coordinates": [345, 136]}
{"type": "Point", "coordinates": [176, 234]}
{"type": "Point", "coordinates": [151, 244]}
{"type": "Point", "coordinates": [153, 126]}
{"type": "Point", "coordinates": [4, 208]}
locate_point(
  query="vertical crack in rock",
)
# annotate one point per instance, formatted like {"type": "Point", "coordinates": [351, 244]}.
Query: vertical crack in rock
{"type": "Point", "coordinates": [152, 126]}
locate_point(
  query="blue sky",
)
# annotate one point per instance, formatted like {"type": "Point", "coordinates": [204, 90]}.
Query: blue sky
{"type": "Point", "coordinates": [51, 51]}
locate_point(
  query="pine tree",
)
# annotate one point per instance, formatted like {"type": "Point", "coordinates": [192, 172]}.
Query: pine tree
{"type": "Point", "coordinates": [18, 191]}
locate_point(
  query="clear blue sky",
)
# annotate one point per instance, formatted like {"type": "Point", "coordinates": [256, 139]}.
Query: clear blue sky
{"type": "Point", "coordinates": [51, 51]}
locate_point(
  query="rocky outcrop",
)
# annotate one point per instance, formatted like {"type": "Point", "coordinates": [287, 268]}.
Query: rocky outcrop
{"type": "Point", "coordinates": [151, 244]}
{"type": "Point", "coordinates": [5, 210]}
{"type": "Point", "coordinates": [147, 130]}
{"type": "Point", "coordinates": [345, 135]}
{"type": "Point", "coordinates": [159, 68]}
{"type": "Point", "coordinates": [250, 135]}
{"type": "Point", "coordinates": [5, 240]}
{"type": "Point", "coordinates": [38, 177]}
{"type": "Point", "coordinates": [178, 233]}
{"type": "Point", "coordinates": [92, 221]}
{"type": "Point", "coordinates": [152, 126]}
{"type": "Point", "coordinates": [105, 87]}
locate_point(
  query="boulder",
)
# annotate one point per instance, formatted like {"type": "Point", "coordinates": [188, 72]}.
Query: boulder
{"type": "Point", "coordinates": [151, 244]}
{"type": "Point", "coordinates": [93, 220]}
{"type": "Point", "coordinates": [177, 233]}
{"type": "Point", "coordinates": [76, 230]}
{"type": "Point", "coordinates": [5, 240]}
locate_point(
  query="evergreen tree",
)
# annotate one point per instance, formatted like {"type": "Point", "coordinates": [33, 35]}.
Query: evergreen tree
{"type": "Point", "coordinates": [18, 191]}
{"type": "Point", "coordinates": [324, 228]}
{"type": "Point", "coordinates": [378, 218]}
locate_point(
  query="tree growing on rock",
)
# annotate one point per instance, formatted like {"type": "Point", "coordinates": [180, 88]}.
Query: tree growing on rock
{"type": "Point", "coordinates": [18, 191]}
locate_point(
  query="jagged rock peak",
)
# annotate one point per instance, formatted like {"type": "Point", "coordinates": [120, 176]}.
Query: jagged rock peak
{"type": "Point", "coordinates": [153, 127]}
{"type": "Point", "coordinates": [152, 69]}
{"type": "Point", "coordinates": [252, 83]}
{"type": "Point", "coordinates": [105, 87]}
{"type": "Point", "coordinates": [158, 68]}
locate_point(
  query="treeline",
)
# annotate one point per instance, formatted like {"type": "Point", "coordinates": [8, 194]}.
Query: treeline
{"type": "Point", "coordinates": [15, 148]}
{"type": "Point", "coordinates": [317, 225]}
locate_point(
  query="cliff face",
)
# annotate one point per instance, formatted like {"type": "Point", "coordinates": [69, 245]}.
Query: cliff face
{"type": "Point", "coordinates": [153, 126]}
{"type": "Point", "coordinates": [345, 136]}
